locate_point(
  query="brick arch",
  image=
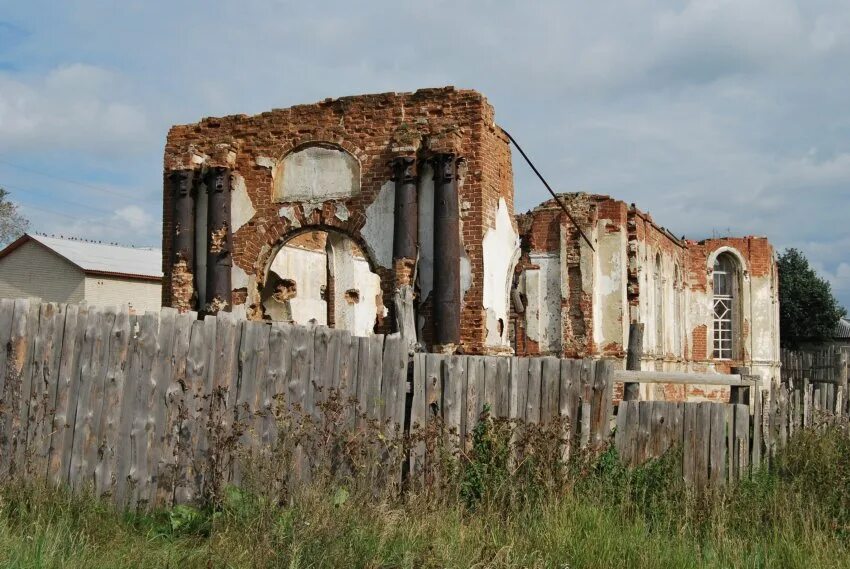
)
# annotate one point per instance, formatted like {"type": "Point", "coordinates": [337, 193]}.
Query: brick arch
{"type": "Point", "coordinates": [322, 136]}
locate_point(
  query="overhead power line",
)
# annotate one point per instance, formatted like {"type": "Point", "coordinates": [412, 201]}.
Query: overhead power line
{"type": "Point", "coordinates": [545, 183]}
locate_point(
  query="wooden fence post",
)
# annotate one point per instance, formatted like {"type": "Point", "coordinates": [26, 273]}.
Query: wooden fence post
{"type": "Point", "coordinates": [631, 391]}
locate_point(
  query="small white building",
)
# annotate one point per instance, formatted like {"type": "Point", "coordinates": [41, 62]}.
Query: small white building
{"type": "Point", "coordinates": [70, 270]}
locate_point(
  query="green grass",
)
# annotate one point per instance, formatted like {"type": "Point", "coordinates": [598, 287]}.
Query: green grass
{"type": "Point", "coordinates": [795, 515]}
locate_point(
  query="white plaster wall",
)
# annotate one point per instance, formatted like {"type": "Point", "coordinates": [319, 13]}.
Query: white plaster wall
{"type": "Point", "coordinates": [33, 271]}
{"type": "Point", "coordinates": [542, 288]}
{"type": "Point", "coordinates": [316, 173]}
{"type": "Point", "coordinates": [351, 272]}
{"type": "Point", "coordinates": [309, 271]}
{"type": "Point", "coordinates": [610, 303]}
{"type": "Point", "coordinates": [241, 207]}
{"type": "Point", "coordinates": [377, 232]}
{"type": "Point", "coordinates": [500, 251]}
{"type": "Point", "coordinates": [140, 295]}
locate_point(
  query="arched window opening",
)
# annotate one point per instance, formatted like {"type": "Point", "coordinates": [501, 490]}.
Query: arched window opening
{"type": "Point", "coordinates": [727, 310]}
{"type": "Point", "coordinates": [659, 306]}
{"type": "Point", "coordinates": [323, 278]}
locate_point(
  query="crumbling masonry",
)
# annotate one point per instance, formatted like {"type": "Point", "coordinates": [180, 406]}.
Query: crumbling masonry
{"type": "Point", "coordinates": [394, 212]}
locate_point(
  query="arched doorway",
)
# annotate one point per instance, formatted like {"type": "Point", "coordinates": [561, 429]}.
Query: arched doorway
{"type": "Point", "coordinates": [323, 277]}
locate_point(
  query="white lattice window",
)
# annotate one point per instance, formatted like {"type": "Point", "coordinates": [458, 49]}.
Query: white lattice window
{"type": "Point", "coordinates": [725, 306]}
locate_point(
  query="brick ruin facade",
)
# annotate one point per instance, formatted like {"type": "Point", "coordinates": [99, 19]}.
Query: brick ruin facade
{"type": "Point", "coordinates": [395, 212]}
{"type": "Point", "coordinates": [575, 301]}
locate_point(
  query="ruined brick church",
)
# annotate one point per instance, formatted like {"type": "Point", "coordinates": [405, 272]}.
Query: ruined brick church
{"type": "Point", "coordinates": [395, 212]}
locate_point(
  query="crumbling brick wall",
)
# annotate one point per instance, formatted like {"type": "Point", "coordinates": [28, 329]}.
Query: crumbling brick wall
{"type": "Point", "coordinates": [373, 129]}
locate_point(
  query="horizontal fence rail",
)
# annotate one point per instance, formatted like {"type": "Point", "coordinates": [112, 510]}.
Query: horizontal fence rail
{"type": "Point", "coordinates": [682, 378]}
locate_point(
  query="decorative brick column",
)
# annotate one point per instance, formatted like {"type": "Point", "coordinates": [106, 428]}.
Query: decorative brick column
{"type": "Point", "coordinates": [219, 241]}
{"type": "Point", "coordinates": [446, 252]}
{"type": "Point", "coordinates": [183, 290]}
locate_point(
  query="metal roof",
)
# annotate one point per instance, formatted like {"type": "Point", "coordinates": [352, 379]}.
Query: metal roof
{"type": "Point", "coordinates": [843, 329]}
{"type": "Point", "coordinates": [104, 258]}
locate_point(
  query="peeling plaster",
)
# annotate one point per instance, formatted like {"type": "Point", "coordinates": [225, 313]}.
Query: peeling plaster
{"type": "Point", "coordinates": [239, 278]}
{"type": "Point", "coordinates": [341, 212]}
{"type": "Point", "coordinates": [309, 207]}
{"type": "Point", "coordinates": [241, 208]}
{"type": "Point", "coordinates": [542, 289]}
{"type": "Point", "coordinates": [378, 230]}
{"type": "Point", "coordinates": [288, 212]}
{"type": "Point", "coordinates": [264, 162]}
{"type": "Point", "coordinates": [500, 251]}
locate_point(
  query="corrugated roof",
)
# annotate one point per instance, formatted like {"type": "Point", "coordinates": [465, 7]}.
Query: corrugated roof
{"type": "Point", "coordinates": [105, 258]}
{"type": "Point", "coordinates": [843, 329]}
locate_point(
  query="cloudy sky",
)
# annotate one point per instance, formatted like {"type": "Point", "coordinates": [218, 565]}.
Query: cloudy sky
{"type": "Point", "coordinates": [717, 116]}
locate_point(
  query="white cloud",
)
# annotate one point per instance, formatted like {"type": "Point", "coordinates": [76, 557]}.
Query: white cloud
{"type": "Point", "coordinates": [73, 106]}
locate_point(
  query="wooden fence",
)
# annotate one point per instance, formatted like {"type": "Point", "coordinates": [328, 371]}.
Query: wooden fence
{"type": "Point", "coordinates": [456, 390]}
{"type": "Point", "coordinates": [127, 404]}
{"type": "Point", "coordinates": [714, 438]}
{"type": "Point", "coordinates": [134, 406]}
{"type": "Point", "coordinates": [816, 382]}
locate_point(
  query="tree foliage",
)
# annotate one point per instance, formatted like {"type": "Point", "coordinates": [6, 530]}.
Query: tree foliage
{"type": "Point", "coordinates": [12, 223]}
{"type": "Point", "coordinates": [808, 311]}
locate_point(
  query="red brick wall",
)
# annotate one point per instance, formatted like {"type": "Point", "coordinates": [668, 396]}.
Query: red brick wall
{"type": "Point", "coordinates": [374, 129]}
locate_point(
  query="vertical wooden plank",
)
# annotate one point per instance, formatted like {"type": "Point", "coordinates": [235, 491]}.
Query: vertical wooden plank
{"type": "Point", "coordinates": [188, 473]}
{"type": "Point", "coordinates": [274, 388]}
{"type": "Point", "coordinates": [300, 390]}
{"type": "Point", "coordinates": [113, 391]}
{"type": "Point", "coordinates": [21, 456]}
{"type": "Point", "coordinates": [140, 409]}
{"type": "Point", "coordinates": [7, 311]}
{"type": "Point", "coordinates": [550, 389]}
{"type": "Point", "coordinates": [13, 432]}
{"type": "Point", "coordinates": [717, 444]}
{"type": "Point", "coordinates": [631, 436]}
{"type": "Point", "coordinates": [689, 450]}
{"type": "Point", "coordinates": [175, 396]}
{"type": "Point", "coordinates": [757, 436]}
{"type": "Point", "coordinates": [503, 387]}
{"type": "Point", "coordinates": [454, 369]}
{"type": "Point", "coordinates": [418, 418]}
{"type": "Point", "coordinates": [93, 448]}
{"type": "Point", "coordinates": [703, 448]}
{"type": "Point", "coordinates": [621, 439]}
{"type": "Point", "coordinates": [658, 437]}
{"type": "Point", "coordinates": [475, 395]}
{"type": "Point", "coordinates": [392, 382]}
{"type": "Point", "coordinates": [641, 444]}
{"type": "Point", "coordinates": [601, 402]}
{"type": "Point", "coordinates": [123, 452]}
{"type": "Point", "coordinates": [47, 351]}
{"type": "Point", "coordinates": [490, 385]}
{"type": "Point", "coordinates": [742, 439]}
{"type": "Point", "coordinates": [375, 367]}
{"type": "Point", "coordinates": [588, 368]}
{"type": "Point", "coordinates": [322, 367]}
{"type": "Point", "coordinates": [89, 395]}
{"type": "Point", "coordinates": [346, 365]}
{"type": "Point", "coordinates": [519, 387]}
{"type": "Point", "coordinates": [533, 391]}
{"type": "Point", "coordinates": [154, 401]}
{"type": "Point", "coordinates": [362, 390]}
{"type": "Point", "coordinates": [570, 400]}
{"type": "Point", "coordinates": [62, 434]}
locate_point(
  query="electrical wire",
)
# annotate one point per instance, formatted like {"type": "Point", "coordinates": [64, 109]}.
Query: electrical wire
{"type": "Point", "coordinates": [545, 183]}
